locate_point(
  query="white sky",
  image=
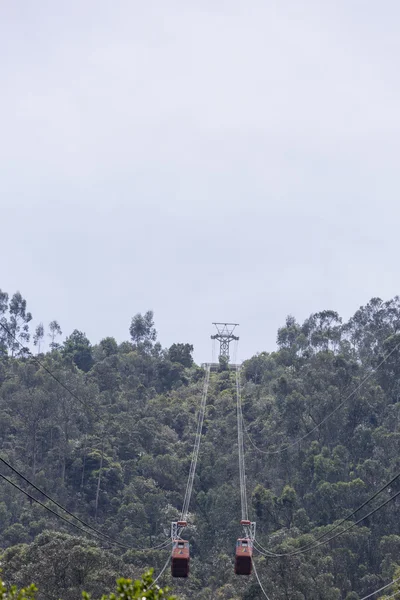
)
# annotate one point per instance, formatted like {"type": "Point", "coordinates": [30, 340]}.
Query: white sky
{"type": "Point", "coordinates": [214, 160]}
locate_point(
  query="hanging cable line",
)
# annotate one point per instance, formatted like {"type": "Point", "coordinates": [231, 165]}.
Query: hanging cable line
{"type": "Point", "coordinates": [393, 595]}
{"type": "Point", "coordinates": [93, 529]}
{"type": "Point", "coordinates": [56, 503]}
{"type": "Point", "coordinates": [161, 572]}
{"type": "Point", "coordinates": [307, 549]}
{"type": "Point", "coordinates": [244, 546]}
{"type": "Point", "coordinates": [30, 482]}
{"type": "Point", "coordinates": [53, 511]}
{"type": "Point", "coordinates": [180, 556]}
{"type": "Point", "coordinates": [382, 588]}
{"type": "Point", "coordinates": [328, 416]}
{"type": "Point", "coordinates": [242, 470]}
{"type": "Point", "coordinates": [195, 454]}
{"type": "Point", "coordinates": [339, 523]}
{"type": "Point", "coordinates": [43, 366]}
{"type": "Point", "coordinates": [259, 582]}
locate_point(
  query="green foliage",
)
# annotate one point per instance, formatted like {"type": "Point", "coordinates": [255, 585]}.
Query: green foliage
{"type": "Point", "coordinates": [38, 336]}
{"type": "Point", "coordinates": [15, 317]}
{"type": "Point", "coordinates": [142, 331]}
{"type": "Point", "coordinates": [109, 346]}
{"type": "Point", "coordinates": [181, 353]}
{"type": "Point", "coordinates": [126, 589]}
{"type": "Point", "coordinates": [55, 330]}
{"type": "Point", "coordinates": [78, 348]}
{"type": "Point", "coordinates": [121, 456]}
{"type": "Point", "coordinates": [12, 593]}
{"type": "Point", "coordinates": [137, 590]}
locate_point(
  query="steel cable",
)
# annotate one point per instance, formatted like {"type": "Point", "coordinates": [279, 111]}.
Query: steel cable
{"type": "Point", "coordinates": [338, 407]}
{"type": "Point", "coordinates": [196, 448]}
{"type": "Point", "coordinates": [312, 547]}
{"type": "Point", "coordinates": [242, 470]}
{"type": "Point", "coordinates": [258, 579]}
{"type": "Point", "coordinates": [381, 589]}
{"type": "Point", "coordinates": [339, 523]}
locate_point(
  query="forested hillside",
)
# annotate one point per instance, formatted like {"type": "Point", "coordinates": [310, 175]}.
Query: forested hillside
{"type": "Point", "coordinates": [107, 430]}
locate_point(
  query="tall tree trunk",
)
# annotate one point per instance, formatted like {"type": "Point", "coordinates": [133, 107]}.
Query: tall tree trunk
{"type": "Point", "coordinates": [84, 462]}
{"type": "Point", "coordinates": [99, 477]}
{"type": "Point", "coordinates": [34, 456]}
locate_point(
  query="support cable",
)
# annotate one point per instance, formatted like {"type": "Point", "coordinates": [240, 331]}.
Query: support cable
{"type": "Point", "coordinates": [258, 579]}
{"type": "Point", "coordinates": [55, 513]}
{"type": "Point", "coordinates": [338, 407]}
{"type": "Point", "coordinates": [339, 523]}
{"type": "Point", "coordinates": [382, 588]}
{"type": "Point", "coordinates": [65, 387]}
{"type": "Point", "coordinates": [56, 503]}
{"type": "Point", "coordinates": [393, 595]}
{"type": "Point", "coordinates": [92, 530]}
{"type": "Point", "coordinates": [266, 552]}
{"type": "Point", "coordinates": [242, 471]}
{"type": "Point", "coordinates": [196, 448]}
{"type": "Point", "coordinates": [95, 532]}
{"type": "Point", "coordinates": [43, 366]}
{"type": "Point", "coordinates": [161, 573]}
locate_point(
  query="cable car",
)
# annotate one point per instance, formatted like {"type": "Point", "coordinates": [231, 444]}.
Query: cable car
{"type": "Point", "coordinates": [180, 558]}
{"type": "Point", "coordinates": [243, 556]}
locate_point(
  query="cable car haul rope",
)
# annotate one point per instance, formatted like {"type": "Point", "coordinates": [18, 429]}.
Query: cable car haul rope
{"type": "Point", "coordinates": [180, 557]}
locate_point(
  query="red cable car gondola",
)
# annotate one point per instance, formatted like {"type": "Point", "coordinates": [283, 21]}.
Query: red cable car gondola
{"type": "Point", "coordinates": [243, 556]}
{"type": "Point", "coordinates": [180, 558]}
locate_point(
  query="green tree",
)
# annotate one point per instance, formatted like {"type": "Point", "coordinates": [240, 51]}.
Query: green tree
{"type": "Point", "coordinates": [12, 593]}
{"type": "Point", "coordinates": [18, 323]}
{"type": "Point", "coordinates": [142, 331]}
{"type": "Point", "coordinates": [137, 590]}
{"type": "Point", "coordinates": [3, 320]}
{"type": "Point", "coordinates": [62, 565]}
{"type": "Point", "coordinates": [126, 589]}
{"type": "Point", "coordinates": [181, 353]}
{"type": "Point", "coordinates": [55, 330]}
{"type": "Point", "coordinates": [109, 346]}
{"type": "Point", "coordinates": [38, 336]}
{"type": "Point", "coordinates": [78, 348]}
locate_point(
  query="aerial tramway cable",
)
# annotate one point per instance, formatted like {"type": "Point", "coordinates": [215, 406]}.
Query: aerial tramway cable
{"type": "Point", "coordinates": [319, 541]}
{"type": "Point", "coordinates": [242, 477]}
{"type": "Point", "coordinates": [265, 552]}
{"type": "Point", "coordinates": [180, 556]}
{"type": "Point", "coordinates": [338, 407]}
{"type": "Point", "coordinates": [92, 530]}
{"type": "Point", "coordinates": [196, 448]}
{"type": "Point", "coordinates": [55, 513]}
{"type": "Point", "coordinates": [313, 545]}
{"type": "Point", "coordinates": [393, 595]}
{"type": "Point", "coordinates": [96, 531]}
{"type": "Point", "coordinates": [48, 371]}
{"type": "Point", "coordinates": [339, 523]}
{"type": "Point", "coordinates": [259, 581]}
{"type": "Point", "coordinates": [161, 573]}
{"type": "Point", "coordinates": [381, 589]}
{"type": "Point", "coordinates": [90, 527]}
{"type": "Point", "coordinates": [242, 469]}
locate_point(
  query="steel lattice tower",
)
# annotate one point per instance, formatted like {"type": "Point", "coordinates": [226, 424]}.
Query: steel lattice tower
{"type": "Point", "coordinates": [225, 336]}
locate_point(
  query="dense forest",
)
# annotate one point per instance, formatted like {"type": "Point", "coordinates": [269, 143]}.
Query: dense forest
{"type": "Point", "coordinates": [107, 430]}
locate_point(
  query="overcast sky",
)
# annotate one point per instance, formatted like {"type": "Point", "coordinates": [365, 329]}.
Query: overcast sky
{"type": "Point", "coordinates": [210, 160]}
